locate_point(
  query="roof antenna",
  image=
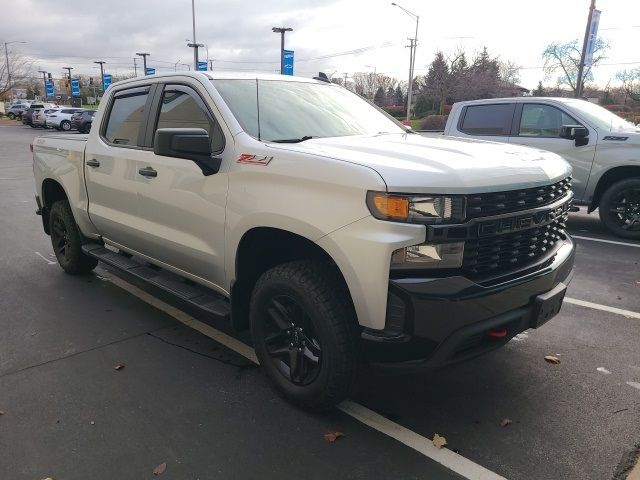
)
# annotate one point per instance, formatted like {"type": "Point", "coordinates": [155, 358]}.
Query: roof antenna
{"type": "Point", "coordinates": [322, 77]}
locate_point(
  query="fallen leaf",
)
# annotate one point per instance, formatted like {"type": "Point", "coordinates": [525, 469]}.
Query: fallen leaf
{"type": "Point", "coordinates": [119, 366]}
{"type": "Point", "coordinates": [159, 470]}
{"type": "Point", "coordinates": [552, 359]}
{"type": "Point", "coordinates": [1, 412]}
{"type": "Point", "coordinates": [332, 436]}
{"type": "Point", "coordinates": [505, 422]}
{"type": "Point", "coordinates": [48, 478]}
{"type": "Point", "coordinates": [439, 441]}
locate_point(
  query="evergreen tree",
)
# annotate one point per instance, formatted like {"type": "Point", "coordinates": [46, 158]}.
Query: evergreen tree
{"type": "Point", "coordinates": [539, 90]}
{"type": "Point", "coordinates": [438, 79]}
{"type": "Point", "coordinates": [380, 97]}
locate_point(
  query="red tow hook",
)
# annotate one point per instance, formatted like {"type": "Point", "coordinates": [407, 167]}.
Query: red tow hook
{"type": "Point", "coordinates": [497, 332]}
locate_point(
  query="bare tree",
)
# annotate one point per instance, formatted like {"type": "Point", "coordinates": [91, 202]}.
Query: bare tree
{"type": "Point", "coordinates": [630, 83]}
{"type": "Point", "coordinates": [365, 84]}
{"type": "Point", "coordinates": [564, 57]}
{"type": "Point", "coordinates": [15, 74]}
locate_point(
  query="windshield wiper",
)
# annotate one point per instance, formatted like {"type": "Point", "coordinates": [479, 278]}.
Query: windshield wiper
{"type": "Point", "coordinates": [293, 140]}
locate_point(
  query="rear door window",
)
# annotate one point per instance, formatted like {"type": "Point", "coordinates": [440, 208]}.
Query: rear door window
{"type": "Point", "coordinates": [492, 119]}
{"type": "Point", "coordinates": [125, 117]}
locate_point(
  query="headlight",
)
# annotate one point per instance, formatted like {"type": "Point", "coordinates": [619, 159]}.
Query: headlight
{"type": "Point", "coordinates": [429, 255]}
{"type": "Point", "coordinates": [416, 208]}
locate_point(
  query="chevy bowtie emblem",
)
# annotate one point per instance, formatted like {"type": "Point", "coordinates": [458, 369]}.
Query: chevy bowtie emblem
{"type": "Point", "coordinates": [248, 158]}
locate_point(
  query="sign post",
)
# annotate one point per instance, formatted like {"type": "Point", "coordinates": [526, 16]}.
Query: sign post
{"type": "Point", "coordinates": [287, 62]}
{"type": "Point", "coordinates": [75, 87]}
{"type": "Point", "coordinates": [50, 89]}
{"type": "Point", "coordinates": [107, 81]}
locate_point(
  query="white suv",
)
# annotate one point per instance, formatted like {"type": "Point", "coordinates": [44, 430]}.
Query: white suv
{"type": "Point", "coordinates": [60, 119]}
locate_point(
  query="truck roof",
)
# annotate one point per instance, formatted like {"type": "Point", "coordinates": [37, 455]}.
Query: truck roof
{"type": "Point", "coordinates": [523, 99]}
{"type": "Point", "coordinates": [226, 76]}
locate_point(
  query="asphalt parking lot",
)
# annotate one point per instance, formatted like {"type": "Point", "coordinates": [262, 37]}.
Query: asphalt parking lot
{"type": "Point", "coordinates": [189, 401]}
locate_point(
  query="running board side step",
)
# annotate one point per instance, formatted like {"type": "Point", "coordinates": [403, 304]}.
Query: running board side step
{"type": "Point", "coordinates": [197, 296]}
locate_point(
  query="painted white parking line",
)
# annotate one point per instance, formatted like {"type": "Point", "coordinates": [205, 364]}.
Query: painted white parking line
{"type": "Point", "coordinates": [626, 244]}
{"type": "Point", "coordinates": [604, 308]}
{"type": "Point", "coordinates": [449, 459]}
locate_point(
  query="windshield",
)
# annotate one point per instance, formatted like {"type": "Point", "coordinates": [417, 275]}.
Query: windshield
{"type": "Point", "coordinates": [273, 110]}
{"type": "Point", "coordinates": [602, 118]}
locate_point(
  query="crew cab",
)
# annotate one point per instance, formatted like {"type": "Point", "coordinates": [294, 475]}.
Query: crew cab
{"type": "Point", "coordinates": [295, 208]}
{"type": "Point", "coordinates": [602, 148]}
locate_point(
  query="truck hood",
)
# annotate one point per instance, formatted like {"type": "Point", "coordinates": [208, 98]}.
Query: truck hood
{"type": "Point", "coordinates": [415, 164]}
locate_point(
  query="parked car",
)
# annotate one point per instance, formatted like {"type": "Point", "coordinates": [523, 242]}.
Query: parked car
{"type": "Point", "coordinates": [39, 117]}
{"type": "Point", "coordinates": [82, 121]}
{"type": "Point", "coordinates": [602, 148]}
{"type": "Point", "coordinates": [16, 110]}
{"type": "Point", "coordinates": [329, 230]}
{"type": "Point", "coordinates": [27, 116]}
{"type": "Point", "coordinates": [61, 119]}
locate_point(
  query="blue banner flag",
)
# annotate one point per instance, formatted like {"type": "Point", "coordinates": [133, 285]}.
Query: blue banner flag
{"type": "Point", "coordinates": [287, 62]}
{"type": "Point", "coordinates": [75, 87]}
{"type": "Point", "coordinates": [107, 81]}
{"type": "Point", "coordinates": [202, 66]}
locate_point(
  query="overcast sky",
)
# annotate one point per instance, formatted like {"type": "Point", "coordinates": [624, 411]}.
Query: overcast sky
{"type": "Point", "coordinates": [239, 37]}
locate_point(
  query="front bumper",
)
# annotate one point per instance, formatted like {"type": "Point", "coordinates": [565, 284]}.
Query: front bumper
{"type": "Point", "coordinates": [433, 322]}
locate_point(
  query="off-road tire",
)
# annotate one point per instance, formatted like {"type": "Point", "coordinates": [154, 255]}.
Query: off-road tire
{"type": "Point", "coordinates": [608, 202]}
{"type": "Point", "coordinates": [66, 240]}
{"type": "Point", "coordinates": [320, 293]}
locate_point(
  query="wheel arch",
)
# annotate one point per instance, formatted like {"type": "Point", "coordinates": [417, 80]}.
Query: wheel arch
{"type": "Point", "coordinates": [262, 248]}
{"type": "Point", "coordinates": [52, 191]}
{"type": "Point", "coordinates": [610, 177]}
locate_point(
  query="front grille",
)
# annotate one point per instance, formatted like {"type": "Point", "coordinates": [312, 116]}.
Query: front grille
{"type": "Point", "coordinates": [500, 253]}
{"type": "Point", "coordinates": [488, 204]}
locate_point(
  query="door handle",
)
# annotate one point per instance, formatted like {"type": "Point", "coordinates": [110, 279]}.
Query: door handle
{"type": "Point", "coordinates": [93, 163]}
{"type": "Point", "coordinates": [148, 172]}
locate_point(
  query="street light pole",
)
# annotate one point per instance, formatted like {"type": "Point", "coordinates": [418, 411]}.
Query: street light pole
{"type": "Point", "coordinates": [412, 57]}
{"type": "Point", "coordinates": [68, 69]}
{"type": "Point", "coordinates": [195, 43]}
{"type": "Point", "coordinates": [281, 31]}
{"type": "Point", "coordinates": [144, 60]}
{"type": "Point", "coordinates": [6, 54]}
{"type": "Point", "coordinates": [579, 80]}
{"type": "Point", "coordinates": [44, 82]}
{"type": "Point", "coordinates": [101, 63]}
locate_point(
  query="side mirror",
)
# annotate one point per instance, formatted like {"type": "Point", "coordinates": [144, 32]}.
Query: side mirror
{"type": "Point", "coordinates": [575, 132]}
{"type": "Point", "coordinates": [188, 143]}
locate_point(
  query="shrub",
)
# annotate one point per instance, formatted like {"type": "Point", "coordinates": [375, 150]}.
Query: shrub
{"type": "Point", "coordinates": [397, 111]}
{"type": "Point", "coordinates": [618, 108]}
{"type": "Point", "coordinates": [434, 122]}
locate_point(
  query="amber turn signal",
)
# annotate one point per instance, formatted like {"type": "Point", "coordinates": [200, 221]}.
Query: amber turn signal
{"type": "Point", "coordinates": [391, 207]}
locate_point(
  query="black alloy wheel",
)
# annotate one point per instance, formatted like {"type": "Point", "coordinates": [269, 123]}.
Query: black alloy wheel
{"type": "Point", "coordinates": [291, 340]}
{"type": "Point", "coordinates": [60, 239]}
{"type": "Point", "coordinates": [305, 333]}
{"type": "Point", "coordinates": [66, 240]}
{"type": "Point", "coordinates": [620, 208]}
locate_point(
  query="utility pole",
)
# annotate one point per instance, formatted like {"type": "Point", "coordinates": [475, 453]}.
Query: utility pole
{"type": "Point", "coordinates": [211, 64]}
{"type": "Point", "coordinates": [195, 47]}
{"type": "Point", "coordinates": [135, 66]}
{"type": "Point", "coordinates": [144, 60]}
{"type": "Point", "coordinates": [101, 63]}
{"type": "Point", "coordinates": [44, 81]}
{"type": "Point", "coordinates": [412, 57]}
{"type": "Point", "coordinates": [410, 85]}
{"type": "Point", "coordinates": [68, 69]}
{"type": "Point", "coordinates": [580, 79]}
{"type": "Point", "coordinates": [6, 55]}
{"type": "Point", "coordinates": [345, 74]}
{"type": "Point", "coordinates": [281, 31]}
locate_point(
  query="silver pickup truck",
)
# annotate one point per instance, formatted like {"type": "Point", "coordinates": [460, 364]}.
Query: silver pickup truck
{"type": "Point", "coordinates": [293, 207]}
{"type": "Point", "coordinates": [602, 148]}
